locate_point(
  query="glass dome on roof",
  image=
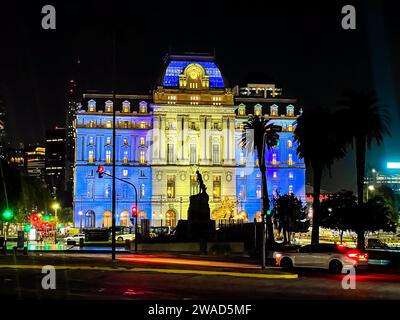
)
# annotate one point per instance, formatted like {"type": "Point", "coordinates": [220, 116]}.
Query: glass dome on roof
{"type": "Point", "coordinates": [175, 68]}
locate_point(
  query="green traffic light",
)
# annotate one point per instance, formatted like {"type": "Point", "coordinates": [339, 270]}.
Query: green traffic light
{"type": "Point", "coordinates": [46, 218]}
{"type": "Point", "coordinates": [268, 212]}
{"type": "Point", "coordinates": [28, 227]}
{"type": "Point", "coordinates": [7, 214]}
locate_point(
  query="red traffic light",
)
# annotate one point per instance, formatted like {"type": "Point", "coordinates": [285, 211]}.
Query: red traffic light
{"type": "Point", "coordinates": [134, 211]}
{"type": "Point", "coordinates": [35, 217]}
{"type": "Point", "coordinates": [100, 171]}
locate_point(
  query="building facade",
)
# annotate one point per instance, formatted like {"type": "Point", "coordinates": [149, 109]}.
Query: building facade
{"type": "Point", "coordinates": [56, 162]}
{"type": "Point", "coordinates": [192, 122]}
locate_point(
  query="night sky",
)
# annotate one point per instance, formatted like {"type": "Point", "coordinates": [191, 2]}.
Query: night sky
{"type": "Point", "coordinates": [300, 45]}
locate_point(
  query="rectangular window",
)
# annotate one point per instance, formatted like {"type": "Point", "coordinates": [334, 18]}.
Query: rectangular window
{"type": "Point", "coordinates": [124, 191]}
{"type": "Point", "coordinates": [217, 187]}
{"type": "Point", "coordinates": [215, 154]}
{"type": "Point", "coordinates": [107, 191]}
{"type": "Point", "coordinates": [89, 190]}
{"type": "Point", "coordinates": [143, 125]}
{"type": "Point", "coordinates": [289, 144]}
{"type": "Point", "coordinates": [170, 153]}
{"type": "Point", "coordinates": [108, 124]}
{"type": "Point", "coordinates": [91, 156]}
{"type": "Point", "coordinates": [274, 175]}
{"type": "Point", "coordinates": [274, 159]}
{"type": "Point", "coordinates": [258, 192]}
{"type": "Point", "coordinates": [91, 140]}
{"type": "Point", "coordinates": [108, 156]}
{"type": "Point", "coordinates": [125, 173]}
{"type": "Point", "coordinates": [290, 189]}
{"type": "Point", "coordinates": [242, 160]}
{"type": "Point", "coordinates": [125, 141]}
{"type": "Point", "coordinates": [193, 154]}
{"type": "Point", "coordinates": [290, 175]}
{"type": "Point", "coordinates": [142, 173]}
{"type": "Point", "coordinates": [125, 160]}
{"type": "Point", "coordinates": [242, 193]}
{"type": "Point", "coordinates": [290, 160]}
{"type": "Point", "coordinates": [142, 141]}
{"type": "Point", "coordinates": [171, 187]}
{"type": "Point", "coordinates": [91, 124]}
{"type": "Point", "coordinates": [194, 185]}
{"type": "Point", "coordinates": [142, 157]}
{"type": "Point", "coordinates": [141, 193]}
{"type": "Point", "coordinates": [108, 140]}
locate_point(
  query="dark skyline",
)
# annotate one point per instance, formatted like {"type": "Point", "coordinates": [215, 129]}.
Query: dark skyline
{"type": "Point", "coordinates": [301, 46]}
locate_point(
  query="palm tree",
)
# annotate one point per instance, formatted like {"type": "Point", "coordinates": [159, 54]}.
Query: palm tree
{"type": "Point", "coordinates": [256, 135]}
{"type": "Point", "coordinates": [319, 144]}
{"type": "Point", "coordinates": [365, 121]}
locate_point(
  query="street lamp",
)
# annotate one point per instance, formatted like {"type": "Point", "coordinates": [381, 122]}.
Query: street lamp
{"type": "Point", "coordinates": [370, 188]}
{"type": "Point", "coordinates": [55, 206]}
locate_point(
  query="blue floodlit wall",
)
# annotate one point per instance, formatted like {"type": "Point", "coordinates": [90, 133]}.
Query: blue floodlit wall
{"type": "Point", "coordinates": [282, 178]}
{"type": "Point", "coordinates": [92, 194]}
{"type": "Point", "coordinates": [175, 68]}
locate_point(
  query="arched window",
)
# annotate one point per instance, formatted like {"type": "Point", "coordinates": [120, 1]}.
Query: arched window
{"type": "Point", "coordinates": [107, 219]}
{"type": "Point", "coordinates": [109, 106]}
{"type": "Point", "coordinates": [126, 106]}
{"type": "Point", "coordinates": [91, 106]}
{"type": "Point", "coordinates": [90, 219]}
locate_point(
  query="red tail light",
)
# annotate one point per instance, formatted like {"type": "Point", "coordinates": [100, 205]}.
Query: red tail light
{"type": "Point", "coordinates": [353, 255]}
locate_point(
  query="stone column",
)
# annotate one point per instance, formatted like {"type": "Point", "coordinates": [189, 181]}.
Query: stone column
{"type": "Point", "coordinates": [225, 140]}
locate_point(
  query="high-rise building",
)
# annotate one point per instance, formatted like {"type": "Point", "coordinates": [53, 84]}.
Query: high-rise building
{"type": "Point", "coordinates": [35, 161]}
{"type": "Point", "coordinates": [193, 121]}
{"type": "Point", "coordinates": [2, 128]}
{"type": "Point", "coordinates": [72, 107]}
{"type": "Point", "coordinates": [55, 161]}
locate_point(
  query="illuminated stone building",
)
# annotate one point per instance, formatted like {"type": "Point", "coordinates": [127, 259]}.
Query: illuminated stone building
{"type": "Point", "coordinates": [285, 171]}
{"type": "Point", "coordinates": [191, 122]}
{"type": "Point", "coordinates": [194, 129]}
{"type": "Point", "coordinates": [93, 123]}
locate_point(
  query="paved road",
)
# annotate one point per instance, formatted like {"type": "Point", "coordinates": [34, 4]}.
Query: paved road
{"type": "Point", "coordinates": [78, 284]}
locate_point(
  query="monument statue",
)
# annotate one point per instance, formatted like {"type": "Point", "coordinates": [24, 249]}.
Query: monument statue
{"type": "Point", "coordinates": [199, 226]}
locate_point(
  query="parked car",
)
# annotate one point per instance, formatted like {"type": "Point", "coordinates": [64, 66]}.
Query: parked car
{"type": "Point", "coordinates": [323, 256]}
{"type": "Point", "coordinates": [76, 237]}
{"type": "Point", "coordinates": [125, 236]}
{"type": "Point", "coordinates": [374, 243]}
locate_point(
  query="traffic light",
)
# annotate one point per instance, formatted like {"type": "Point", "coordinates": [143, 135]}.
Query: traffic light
{"type": "Point", "coordinates": [7, 215]}
{"type": "Point", "coordinates": [46, 218]}
{"type": "Point", "coordinates": [28, 227]}
{"type": "Point", "coordinates": [268, 212]}
{"type": "Point", "coordinates": [100, 171]}
{"type": "Point", "coordinates": [35, 218]}
{"type": "Point", "coordinates": [134, 211]}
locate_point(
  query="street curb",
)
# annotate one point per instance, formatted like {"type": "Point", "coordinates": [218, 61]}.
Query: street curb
{"type": "Point", "coordinates": [159, 270]}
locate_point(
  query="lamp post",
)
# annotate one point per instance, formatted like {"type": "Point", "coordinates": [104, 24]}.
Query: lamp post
{"type": "Point", "coordinates": [55, 206]}
{"type": "Point", "coordinates": [370, 188]}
